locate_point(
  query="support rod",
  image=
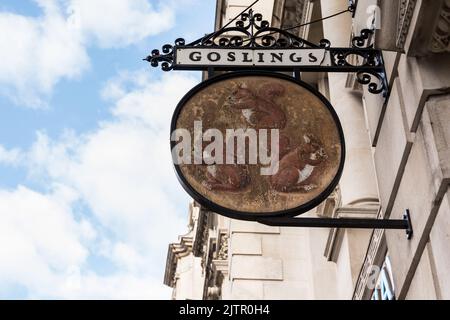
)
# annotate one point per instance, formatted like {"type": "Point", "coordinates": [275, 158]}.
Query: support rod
{"type": "Point", "coordinates": [399, 224]}
{"type": "Point", "coordinates": [336, 223]}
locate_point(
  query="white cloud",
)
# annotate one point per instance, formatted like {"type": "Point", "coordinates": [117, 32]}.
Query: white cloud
{"type": "Point", "coordinates": [40, 238]}
{"type": "Point", "coordinates": [120, 286]}
{"type": "Point", "coordinates": [122, 172]}
{"type": "Point", "coordinates": [10, 157]}
{"type": "Point", "coordinates": [35, 53]}
{"type": "Point", "coordinates": [44, 250]}
{"type": "Point", "coordinates": [38, 52]}
{"type": "Point", "coordinates": [163, 93]}
{"type": "Point", "coordinates": [115, 23]}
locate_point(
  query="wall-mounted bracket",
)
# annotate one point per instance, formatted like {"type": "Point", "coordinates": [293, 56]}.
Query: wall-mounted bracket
{"type": "Point", "coordinates": [409, 230]}
{"type": "Point", "coordinates": [352, 223]}
{"type": "Point", "coordinates": [253, 34]}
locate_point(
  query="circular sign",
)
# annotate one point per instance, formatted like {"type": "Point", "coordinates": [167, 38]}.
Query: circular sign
{"type": "Point", "coordinates": [249, 145]}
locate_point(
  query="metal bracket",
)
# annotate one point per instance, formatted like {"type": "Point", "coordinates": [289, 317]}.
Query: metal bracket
{"type": "Point", "coordinates": [409, 230]}
{"type": "Point", "coordinates": [352, 4]}
{"type": "Point", "coordinates": [252, 32]}
{"type": "Point", "coordinates": [351, 223]}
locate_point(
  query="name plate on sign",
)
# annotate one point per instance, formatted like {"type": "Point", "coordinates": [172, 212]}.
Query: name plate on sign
{"type": "Point", "coordinates": [217, 57]}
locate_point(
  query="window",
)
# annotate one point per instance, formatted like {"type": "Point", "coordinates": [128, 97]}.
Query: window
{"type": "Point", "coordinates": [384, 288]}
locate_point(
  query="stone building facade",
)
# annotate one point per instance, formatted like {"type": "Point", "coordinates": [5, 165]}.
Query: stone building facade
{"type": "Point", "coordinates": [398, 158]}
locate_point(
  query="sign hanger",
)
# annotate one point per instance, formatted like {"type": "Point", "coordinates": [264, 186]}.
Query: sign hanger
{"type": "Point", "coordinates": [253, 45]}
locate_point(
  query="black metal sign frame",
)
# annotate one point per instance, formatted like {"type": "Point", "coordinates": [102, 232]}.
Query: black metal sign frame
{"type": "Point", "coordinates": [251, 32]}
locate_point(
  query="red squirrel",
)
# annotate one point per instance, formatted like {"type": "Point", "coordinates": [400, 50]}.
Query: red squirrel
{"type": "Point", "coordinates": [259, 108]}
{"type": "Point", "coordinates": [298, 167]}
{"type": "Point", "coordinates": [226, 177]}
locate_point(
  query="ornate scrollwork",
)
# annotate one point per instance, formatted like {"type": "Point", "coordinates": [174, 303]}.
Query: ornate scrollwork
{"type": "Point", "coordinates": [374, 86]}
{"type": "Point", "coordinates": [166, 58]}
{"type": "Point", "coordinates": [356, 58]}
{"type": "Point", "coordinates": [251, 31]}
{"type": "Point", "coordinates": [362, 41]}
{"type": "Point", "coordinates": [366, 59]}
{"type": "Point", "coordinates": [325, 43]}
{"type": "Point", "coordinates": [361, 53]}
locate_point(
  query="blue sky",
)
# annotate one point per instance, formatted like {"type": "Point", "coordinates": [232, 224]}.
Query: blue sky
{"type": "Point", "coordinates": [88, 198]}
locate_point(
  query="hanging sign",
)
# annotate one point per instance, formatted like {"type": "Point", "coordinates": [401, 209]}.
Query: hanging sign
{"type": "Point", "coordinates": [265, 146]}
{"type": "Point", "coordinates": [255, 144]}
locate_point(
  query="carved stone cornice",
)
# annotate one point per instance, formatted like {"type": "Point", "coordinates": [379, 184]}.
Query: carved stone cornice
{"type": "Point", "coordinates": [183, 248]}
{"type": "Point", "coordinates": [440, 40]}
{"type": "Point", "coordinates": [217, 272]}
{"type": "Point", "coordinates": [220, 266]}
{"type": "Point", "coordinates": [175, 252]}
{"type": "Point", "coordinates": [430, 33]}
{"type": "Point", "coordinates": [215, 264]}
{"type": "Point", "coordinates": [201, 234]}
{"type": "Point", "coordinates": [406, 12]}
{"type": "Point", "coordinates": [207, 269]}
{"type": "Point", "coordinates": [375, 255]}
{"type": "Point", "coordinates": [294, 14]}
{"type": "Point", "coordinates": [222, 252]}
